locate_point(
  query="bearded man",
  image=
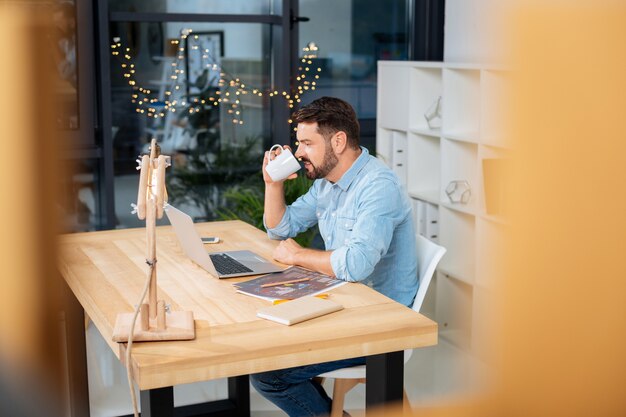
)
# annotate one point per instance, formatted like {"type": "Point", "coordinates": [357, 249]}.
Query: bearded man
{"type": "Point", "coordinates": [364, 217]}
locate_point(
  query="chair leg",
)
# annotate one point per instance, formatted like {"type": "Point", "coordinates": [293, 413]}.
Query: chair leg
{"type": "Point", "coordinates": [340, 389]}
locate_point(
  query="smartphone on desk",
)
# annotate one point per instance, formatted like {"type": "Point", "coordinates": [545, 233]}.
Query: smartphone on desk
{"type": "Point", "coordinates": [210, 239]}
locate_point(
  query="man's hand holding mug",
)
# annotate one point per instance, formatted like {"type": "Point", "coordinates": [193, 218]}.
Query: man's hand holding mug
{"type": "Point", "coordinates": [279, 164]}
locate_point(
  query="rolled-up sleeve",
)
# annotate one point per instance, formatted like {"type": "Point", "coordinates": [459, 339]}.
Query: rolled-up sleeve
{"type": "Point", "coordinates": [298, 217]}
{"type": "Point", "coordinates": [378, 212]}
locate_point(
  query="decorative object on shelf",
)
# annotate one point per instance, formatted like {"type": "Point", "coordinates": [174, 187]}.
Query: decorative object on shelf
{"type": "Point", "coordinates": [459, 191]}
{"type": "Point", "coordinates": [433, 114]}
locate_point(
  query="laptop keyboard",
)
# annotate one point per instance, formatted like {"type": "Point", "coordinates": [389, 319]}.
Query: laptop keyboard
{"type": "Point", "coordinates": [226, 265]}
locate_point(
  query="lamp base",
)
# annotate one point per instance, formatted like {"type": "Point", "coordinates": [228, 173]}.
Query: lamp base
{"type": "Point", "coordinates": [179, 326]}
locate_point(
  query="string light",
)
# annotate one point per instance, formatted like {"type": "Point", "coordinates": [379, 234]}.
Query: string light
{"type": "Point", "coordinates": [228, 85]}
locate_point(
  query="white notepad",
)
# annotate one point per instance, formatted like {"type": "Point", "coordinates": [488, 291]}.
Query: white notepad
{"type": "Point", "coordinates": [298, 310]}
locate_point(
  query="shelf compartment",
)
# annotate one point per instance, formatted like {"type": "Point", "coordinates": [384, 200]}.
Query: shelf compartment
{"type": "Point", "coordinates": [393, 96]}
{"type": "Point", "coordinates": [457, 235]}
{"type": "Point", "coordinates": [425, 89]}
{"type": "Point", "coordinates": [461, 208]}
{"type": "Point", "coordinates": [461, 103]}
{"type": "Point", "coordinates": [494, 167]}
{"type": "Point", "coordinates": [495, 108]}
{"type": "Point", "coordinates": [462, 138]}
{"type": "Point", "coordinates": [424, 168]}
{"type": "Point", "coordinates": [426, 219]}
{"type": "Point", "coordinates": [431, 196]}
{"type": "Point", "coordinates": [484, 316]}
{"type": "Point", "coordinates": [491, 253]}
{"type": "Point", "coordinates": [460, 163]}
{"type": "Point", "coordinates": [457, 275]}
{"type": "Point", "coordinates": [454, 311]}
{"type": "Point", "coordinates": [384, 146]}
{"type": "Point", "coordinates": [427, 132]}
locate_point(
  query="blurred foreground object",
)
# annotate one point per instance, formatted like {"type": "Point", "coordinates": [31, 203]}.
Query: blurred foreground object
{"type": "Point", "coordinates": [30, 365]}
{"type": "Point", "coordinates": [563, 336]}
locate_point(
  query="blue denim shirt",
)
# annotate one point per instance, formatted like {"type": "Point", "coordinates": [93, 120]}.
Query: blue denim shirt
{"type": "Point", "coordinates": [365, 219]}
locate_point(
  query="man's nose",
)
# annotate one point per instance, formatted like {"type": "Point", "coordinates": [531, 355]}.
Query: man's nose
{"type": "Point", "coordinates": [299, 151]}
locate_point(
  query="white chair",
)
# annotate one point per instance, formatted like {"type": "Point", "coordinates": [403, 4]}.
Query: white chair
{"type": "Point", "coordinates": [428, 256]}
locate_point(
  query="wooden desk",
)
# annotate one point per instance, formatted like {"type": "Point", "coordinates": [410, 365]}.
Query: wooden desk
{"type": "Point", "coordinates": [105, 272]}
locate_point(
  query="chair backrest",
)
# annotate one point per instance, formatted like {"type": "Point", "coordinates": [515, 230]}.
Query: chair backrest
{"type": "Point", "coordinates": [428, 256]}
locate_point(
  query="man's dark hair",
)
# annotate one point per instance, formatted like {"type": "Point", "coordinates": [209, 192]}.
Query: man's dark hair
{"type": "Point", "coordinates": [332, 115]}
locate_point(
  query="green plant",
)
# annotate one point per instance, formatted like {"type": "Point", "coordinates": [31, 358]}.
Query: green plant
{"type": "Point", "coordinates": [201, 176]}
{"type": "Point", "coordinates": [246, 202]}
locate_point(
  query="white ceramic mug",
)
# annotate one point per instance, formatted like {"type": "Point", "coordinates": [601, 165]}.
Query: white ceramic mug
{"type": "Point", "coordinates": [283, 164]}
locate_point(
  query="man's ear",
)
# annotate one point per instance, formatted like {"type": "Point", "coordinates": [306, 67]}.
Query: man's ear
{"type": "Point", "coordinates": [339, 142]}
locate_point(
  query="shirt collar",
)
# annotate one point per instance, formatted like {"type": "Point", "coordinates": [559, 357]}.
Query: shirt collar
{"type": "Point", "coordinates": [346, 179]}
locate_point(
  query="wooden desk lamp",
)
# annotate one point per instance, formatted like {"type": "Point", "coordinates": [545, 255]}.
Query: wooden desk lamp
{"type": "Point", "coordinates": [153, 323]}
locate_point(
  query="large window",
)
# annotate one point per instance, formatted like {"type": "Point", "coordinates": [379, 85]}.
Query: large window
{"type": "Point", "coordinates": [202, 90]}
{"type": "Point", "coordinates": [352, 36]}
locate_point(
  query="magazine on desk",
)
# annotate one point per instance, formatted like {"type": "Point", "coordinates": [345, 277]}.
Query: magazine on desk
{"type": "Point", "coordinates": [292, 283]}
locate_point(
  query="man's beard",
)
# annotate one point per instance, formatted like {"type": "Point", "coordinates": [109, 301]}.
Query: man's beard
{"type": "Point", "coordinates": [330, 161]}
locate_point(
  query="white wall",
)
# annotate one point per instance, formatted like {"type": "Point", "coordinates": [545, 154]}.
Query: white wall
{"type": "Point", "coordinates": [474, 31]}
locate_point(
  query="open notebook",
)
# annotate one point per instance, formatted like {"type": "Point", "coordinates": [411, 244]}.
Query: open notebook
{"type": "Point", "coordinates": [299, 282]}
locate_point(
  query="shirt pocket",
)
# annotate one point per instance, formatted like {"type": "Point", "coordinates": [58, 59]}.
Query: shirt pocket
{"type": "Point", "coordinates": [344, 228]}
{"type": "Point", "coordinates": [346, 223]}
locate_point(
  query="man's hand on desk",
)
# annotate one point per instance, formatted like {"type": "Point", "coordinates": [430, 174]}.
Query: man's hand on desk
{"type": "Point", "coordinates": [287, 252]}
{"type": "Point", "coordinates": [291, 253]}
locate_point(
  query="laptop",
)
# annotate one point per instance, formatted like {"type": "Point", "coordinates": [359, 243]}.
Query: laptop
{"type": "Point", "coordinates": [219, 264]}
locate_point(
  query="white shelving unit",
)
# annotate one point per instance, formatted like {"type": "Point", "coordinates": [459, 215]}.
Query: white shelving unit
{"type": "Point", "coordinates": [470, 140]}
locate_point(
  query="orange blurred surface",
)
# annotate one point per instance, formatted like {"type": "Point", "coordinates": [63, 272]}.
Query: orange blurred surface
{"type": "Point", "coordinates": [564, 317]}
{"type": "Point", "coordinates": [30, 338]}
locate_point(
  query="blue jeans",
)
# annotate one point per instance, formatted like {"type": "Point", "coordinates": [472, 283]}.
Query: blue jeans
{"type": "Point", "coordinates": [294, 392]}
